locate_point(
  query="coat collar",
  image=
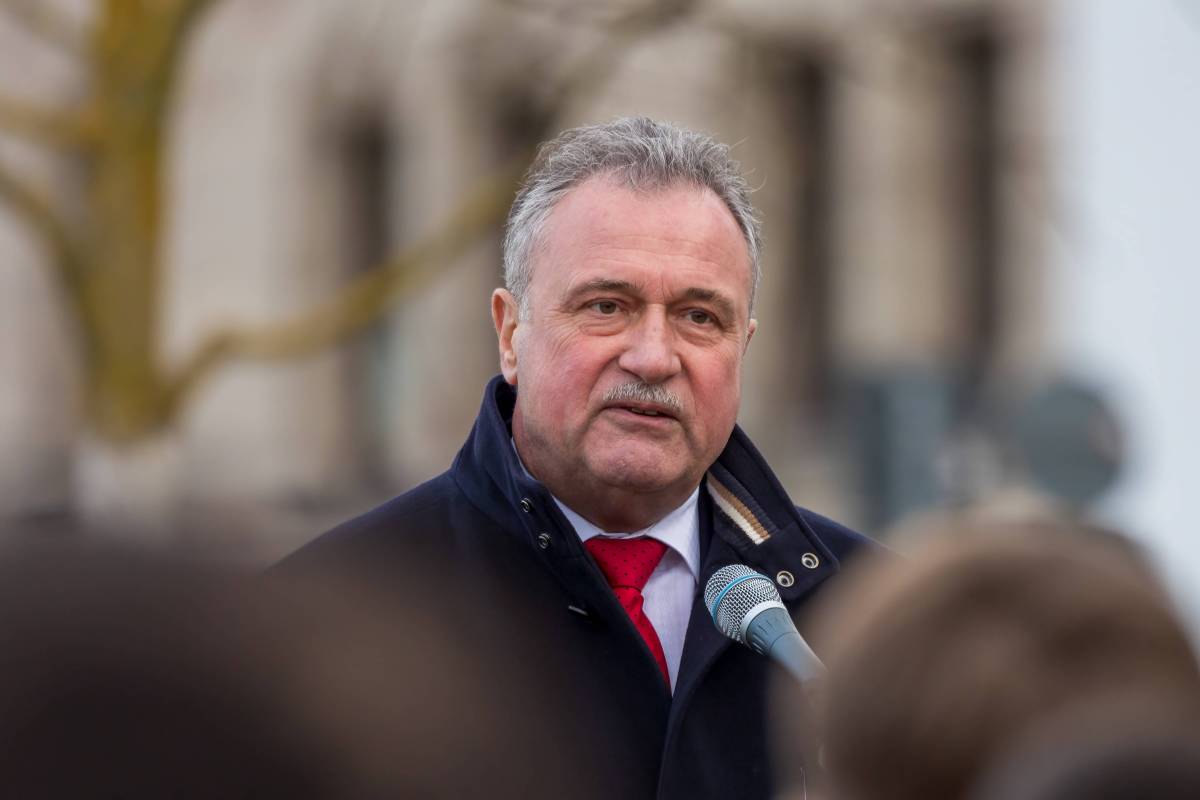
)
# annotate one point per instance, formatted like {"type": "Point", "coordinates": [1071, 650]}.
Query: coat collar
{"type": "Point", "coordinates": [487, 467]}
{"type": "Point", "coordinates": [754, 516]}
{"type": "Point", "coordinates": [751, 513]}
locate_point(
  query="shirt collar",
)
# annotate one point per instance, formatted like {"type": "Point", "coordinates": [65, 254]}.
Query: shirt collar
{"type": "Point", "coordinates": [678, 530]}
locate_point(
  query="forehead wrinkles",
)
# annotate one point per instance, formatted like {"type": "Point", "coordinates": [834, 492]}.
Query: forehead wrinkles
{"type": "Point", "coordinates": [688, 250]}
{"type": "Point", "coordinates": [699, 222]}
{"type": "Point", "coordinates": [700, 229]}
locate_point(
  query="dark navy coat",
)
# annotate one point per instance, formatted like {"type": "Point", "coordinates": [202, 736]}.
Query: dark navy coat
{"type": "Point", "coordinates": [495, 529]}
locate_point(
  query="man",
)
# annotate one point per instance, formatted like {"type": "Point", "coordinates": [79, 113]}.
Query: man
{"type": "Point", "coordinates": [605, 475]}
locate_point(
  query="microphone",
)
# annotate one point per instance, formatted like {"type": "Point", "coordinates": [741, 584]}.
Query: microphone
{"type": "Point", "coordinates": [746, 607]}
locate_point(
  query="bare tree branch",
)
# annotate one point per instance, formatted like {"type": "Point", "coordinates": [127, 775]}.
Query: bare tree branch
{"type": "Point", "coordinates": [43, 125]}
{"type": "Point", "coordinates": [41, 217]}
{"type": "Point", "coordinates": [175, 32]}
{"type": "Point", "coordinates": [360, 303]}
{"type": "Point", "coordinates": [44, 21]}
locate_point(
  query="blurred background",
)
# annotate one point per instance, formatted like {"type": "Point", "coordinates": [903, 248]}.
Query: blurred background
{"type": "Point", "coordinates": [246, 249]}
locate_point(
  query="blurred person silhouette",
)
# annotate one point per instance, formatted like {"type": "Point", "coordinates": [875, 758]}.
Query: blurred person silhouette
{"type": "Point", "coordinates": [605, 478]}
{"type": "Point", "coordinates": [939, 664]}
{"type": "Point", "coordinates": [134, 676]}
{"type": "Point", "coordinates": [1140, 746]}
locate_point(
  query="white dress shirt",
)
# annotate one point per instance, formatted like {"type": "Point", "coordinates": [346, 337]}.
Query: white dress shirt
{"type": "Point", "coordinates": [668, 593]}
{"type": "Point", "coordinates": [672, 586]}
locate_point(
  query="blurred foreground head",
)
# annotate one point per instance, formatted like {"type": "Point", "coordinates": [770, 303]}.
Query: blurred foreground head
{"type": "Point", "coordinates": [125, 675]}
{"type": "Point", "coordinates": [1134, 749]}
{"type": "Point", "coordinates": [941, 664]}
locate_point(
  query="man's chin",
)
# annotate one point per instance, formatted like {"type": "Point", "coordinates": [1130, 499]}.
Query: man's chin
{"type": "Point", "coordinates": [640, 476]}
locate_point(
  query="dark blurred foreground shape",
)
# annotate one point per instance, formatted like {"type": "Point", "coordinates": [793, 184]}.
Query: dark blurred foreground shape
{"type": "Point", "coordinates": [1124, 751]}
{"type": "Point", "coordinates": [941, 665]}
{"type": "Point", "coordinates": [129, 676]}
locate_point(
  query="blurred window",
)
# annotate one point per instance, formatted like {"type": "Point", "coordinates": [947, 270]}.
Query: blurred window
{"type": "Point", "coordinates": [805, 91]}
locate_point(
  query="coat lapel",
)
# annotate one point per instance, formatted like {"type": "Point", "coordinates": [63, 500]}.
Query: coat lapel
{"type": "Point", "coordinates": [703, 643]}
{"type": "Point", "coordinates": [734, 529]}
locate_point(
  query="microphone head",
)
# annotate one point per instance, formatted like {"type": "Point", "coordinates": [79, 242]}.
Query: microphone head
{"type": "Point", "coordinates": [732, 593]}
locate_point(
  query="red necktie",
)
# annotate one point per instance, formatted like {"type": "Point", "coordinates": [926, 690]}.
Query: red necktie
{"type": "Point", "coordinates": [627, 564]}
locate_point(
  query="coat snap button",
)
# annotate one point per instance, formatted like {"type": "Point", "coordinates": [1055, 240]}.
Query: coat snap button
{"type": "Point", "coordinates": [785, 578]}
{"type": "Point", "coordinates": [526, 506]}
{"type": "Point", "coordinates": [543, 540]}
{"type": "Point", "coordinates": [810, 561]}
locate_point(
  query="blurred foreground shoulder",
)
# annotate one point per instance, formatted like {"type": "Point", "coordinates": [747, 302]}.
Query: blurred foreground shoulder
{"type": "Point", "coordinates": [415, 519]}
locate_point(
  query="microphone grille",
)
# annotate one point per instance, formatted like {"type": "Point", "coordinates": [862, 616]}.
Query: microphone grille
{"type": "Point", "coordinates": [730, 594]}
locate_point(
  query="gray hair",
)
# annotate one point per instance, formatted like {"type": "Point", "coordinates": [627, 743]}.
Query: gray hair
{"type": "Point", "coordinates": [638, 152]}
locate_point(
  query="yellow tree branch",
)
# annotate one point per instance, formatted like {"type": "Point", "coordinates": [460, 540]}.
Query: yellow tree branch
{"type": "Point", "coordinates": [44, 125]}
{"type": "Point", "coordinates": [137, 51]}
{"type": "Point", "coordinates": [174, 37]}
{"type": "Point", "coordinates": [43, 20]}
{"type": "Point", "coordinates": [362, 301]}
{"type": "Point", "coordinates": [29, 204]}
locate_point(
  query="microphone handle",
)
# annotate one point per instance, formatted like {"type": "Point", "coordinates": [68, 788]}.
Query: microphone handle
{"type": "Point", "coordinates": [773, 634]}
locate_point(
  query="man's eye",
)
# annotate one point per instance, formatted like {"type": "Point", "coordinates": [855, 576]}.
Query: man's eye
{"type": "Point", "coordinates": [700, 317]}
{"type": "Point", "coordinates": [605, 307]}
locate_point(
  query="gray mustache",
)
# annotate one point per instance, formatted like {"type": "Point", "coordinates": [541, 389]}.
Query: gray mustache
{"type": "Point", "coordinates": [639, 392]}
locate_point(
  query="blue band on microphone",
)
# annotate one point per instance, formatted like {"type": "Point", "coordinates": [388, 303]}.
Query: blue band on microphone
{"type": "Point", "coordinates": [725, 591]}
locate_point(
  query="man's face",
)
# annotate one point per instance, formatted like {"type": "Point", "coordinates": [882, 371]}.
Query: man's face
{"type": "Point", "coordinates": [642, 290]}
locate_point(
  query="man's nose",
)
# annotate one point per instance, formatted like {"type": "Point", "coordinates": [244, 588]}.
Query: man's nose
{"type": "Point", "coordinates": [650, 352]}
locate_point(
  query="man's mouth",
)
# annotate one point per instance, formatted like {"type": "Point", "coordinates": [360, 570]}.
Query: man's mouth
{"type": "Point", "coordinates": [644, 400]}
{"type": "Point", "coordinates": [645, 410]}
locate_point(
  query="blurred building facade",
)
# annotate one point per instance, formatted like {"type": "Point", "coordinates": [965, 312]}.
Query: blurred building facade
{"type": "Point", "coordinates": [901, 154]}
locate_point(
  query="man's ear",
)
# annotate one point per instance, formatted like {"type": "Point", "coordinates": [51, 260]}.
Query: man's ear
{"type": "Point", "coordinates": [504, 317]}
{"type": "Point", "coordinates": [750, 329]}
